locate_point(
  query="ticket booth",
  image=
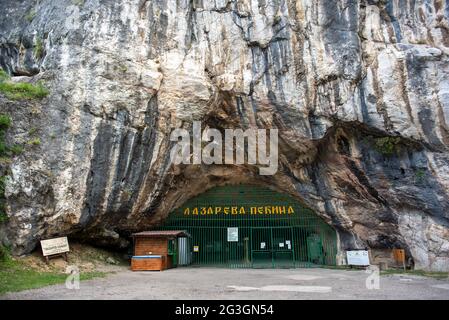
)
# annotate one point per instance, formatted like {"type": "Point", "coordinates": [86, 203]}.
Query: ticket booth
{"type": "Point", "coordinates": [159, 250]}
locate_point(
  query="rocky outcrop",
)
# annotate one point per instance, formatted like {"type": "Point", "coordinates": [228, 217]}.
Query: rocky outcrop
{"type": "Point", "coordinates": [358, 89]}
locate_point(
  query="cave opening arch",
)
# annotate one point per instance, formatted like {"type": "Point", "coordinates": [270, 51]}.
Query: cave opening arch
{"type": "Point", "coordinates": [248, 225]}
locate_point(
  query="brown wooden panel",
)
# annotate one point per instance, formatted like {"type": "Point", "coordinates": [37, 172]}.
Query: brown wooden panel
{"type": "Point", "coordinates": [150, 264]}
{"type": "Point", "coordinates": [169, 262]}
{"type": "Point", "coordinates": [143, 246]}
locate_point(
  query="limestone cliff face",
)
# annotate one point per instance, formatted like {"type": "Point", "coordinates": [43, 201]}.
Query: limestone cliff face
{"type": "Point", "coordinates": [358, 89]}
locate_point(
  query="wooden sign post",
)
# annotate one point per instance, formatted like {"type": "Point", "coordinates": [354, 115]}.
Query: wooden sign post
{"type": "Point", "coordinates": [55, 247]}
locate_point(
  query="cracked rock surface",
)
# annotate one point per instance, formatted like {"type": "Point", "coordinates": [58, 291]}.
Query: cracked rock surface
{"type": "Point", "coordinates": [338, 79]}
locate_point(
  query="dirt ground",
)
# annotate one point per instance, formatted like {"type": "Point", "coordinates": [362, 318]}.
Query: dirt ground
{"type": "Point", "coordinates": [85, 257]}
{"type": "Point", "coordinates": [215, 283]}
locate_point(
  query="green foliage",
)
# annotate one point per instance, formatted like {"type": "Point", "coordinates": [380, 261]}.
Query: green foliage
{"type": "Point", "coordinates": [387, 145]}
{"type": "Point", "coordinates": [5, 255]}
{"type": "Point", "coordinates": [431, 274]}
{"type": "Point", "coordinates": [420, 173]}
{"type": "Point", "coordinates": [2, 184]}
{"type": "Point", "coordinates": [420, 176]}
{"type": "Point", "coordinates": [34, 142]}
{"type": "Point", "coordinates": [23, 90]}
{"type": "Point", "coordinates": [3, 75]}
{"type": "Point", "coordinates": [16, 276]}
{"type": "Point", "coordinates": [5, 121]}
{"type": "Point", "coordinates": [122, 68]}
{"type": "Point", "coordinates": [38, 48]}
{"type": "Point", "coordinates": [16, 149]}
{"type": "Point", "coordinates": [3, 147]}
{"type": "Point", "coordinates": [33, 131]}
{"type": "Point", "coordinates": [30, 15]}
{"type": "Point", "coordinates": [5, 152]}
{"type": "Point", "coordinates": [3, 216]}
{"type": "Point", "coordinates": [79, 3]}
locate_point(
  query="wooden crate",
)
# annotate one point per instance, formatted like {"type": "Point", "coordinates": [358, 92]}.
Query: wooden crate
{"type": "Point", "coordinates": [148, 263]}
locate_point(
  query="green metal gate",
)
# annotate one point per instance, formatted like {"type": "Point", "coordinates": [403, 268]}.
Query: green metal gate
{"type": "Point", "coordinates": [244, 226]}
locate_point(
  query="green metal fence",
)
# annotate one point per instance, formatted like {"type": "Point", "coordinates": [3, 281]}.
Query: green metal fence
{"type": "Point", "coordinates": [273, 229]}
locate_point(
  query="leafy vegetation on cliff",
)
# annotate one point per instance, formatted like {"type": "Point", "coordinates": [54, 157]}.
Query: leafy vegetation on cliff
{"type": "Point", "coordinates": [21, 90]}
{"type": "Point", "coordinates": [5, 123]}
{"type": "Point", "coordinates": [388, 145]}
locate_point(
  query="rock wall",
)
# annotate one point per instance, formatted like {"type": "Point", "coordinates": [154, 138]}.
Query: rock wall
{"type": "Point", "coordinates": [358, 89]}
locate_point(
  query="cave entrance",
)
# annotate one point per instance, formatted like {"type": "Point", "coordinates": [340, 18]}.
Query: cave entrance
{"type": "Point", "coordinates": [246, 226]}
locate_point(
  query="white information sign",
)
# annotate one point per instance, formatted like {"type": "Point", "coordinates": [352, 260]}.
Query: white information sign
{"type": "Point", "coordinates": [262, 245]}
{"type": "Point", "coordinates": [54, 246]}
{"type": "Point", "coordinates": [358, 258]}
{"type": "Point", "coordinates": [233, 234]}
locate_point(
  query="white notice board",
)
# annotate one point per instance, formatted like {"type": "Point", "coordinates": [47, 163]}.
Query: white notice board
{"type": "Point", "coordinates": [54, 246]}
{"type": "Point", "coordinates": [358, 258]}
{"type": "Point", "coordinates": [233, 234]}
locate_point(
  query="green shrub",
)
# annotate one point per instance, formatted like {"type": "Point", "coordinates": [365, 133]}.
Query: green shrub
{"type": "Point", "coordinates": [2, 185]}
{"type": "Point", "coordinates": [3, 75]}
{"type": "Point", "coordinates": [5, 255]}
{"type": "Point", "coordinates": [387, 145]}
{"type": "Point", "coordinates": [23, 90]}
{"type": "Point", "coordinates": [3, 216]}
{"type": "Point", "coordinates": [420, 176]}
{"type": "Point", "coordinates": [38, 48]}
{"type": "Point", "coordinates": [3, 147]}
{"type": "Point", "coordinates": [5, 121]}
{"type": "Point", "coordinates": [16, 149]}
{"type": "Point", "coordinates": [30, 15]}
{"type": "Point", "coordinates": [33, 131]}
{"type": "Point", "coordinates": [34, 142]}
{"type": "Point", "coordinates": [79, 3]}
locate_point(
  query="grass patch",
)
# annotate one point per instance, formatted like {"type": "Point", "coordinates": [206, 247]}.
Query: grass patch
{"type": "Point", "coordinates": [34, 142]}
{"type": "Point", "coordinates": [79, 3]}
{"type": "Point", "coordinates": [33, 131]}
{"type": "Point", "coordinates": [3, 75]}
{"type": "Point", "coordinates": [5, 122]}
{"type": "Point", "coordinates": [23, 90]}
{"type": "Point", "coordinates": [15, 276]}
{"type": "Point", "coordinates": [342, 267]}
{"type": "Point", "coordinates": [16, 149]}
{"type": "Point", "coordinates": [430, 274]}
{"type": "Point", "coordinates": [3, 215]}
{"type": "Point", "coordinates": [38, 49]}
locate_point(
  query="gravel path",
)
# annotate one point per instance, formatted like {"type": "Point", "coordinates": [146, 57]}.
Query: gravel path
{"type": "Point", "coordinates": [211, 283]}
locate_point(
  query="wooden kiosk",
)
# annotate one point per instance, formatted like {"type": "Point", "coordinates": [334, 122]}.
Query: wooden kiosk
{"type": "Point", "coordinates": [155, 250]}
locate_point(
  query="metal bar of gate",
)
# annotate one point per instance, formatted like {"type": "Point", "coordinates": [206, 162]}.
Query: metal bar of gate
{"type": "Point", "coordinates": [309, 235]}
